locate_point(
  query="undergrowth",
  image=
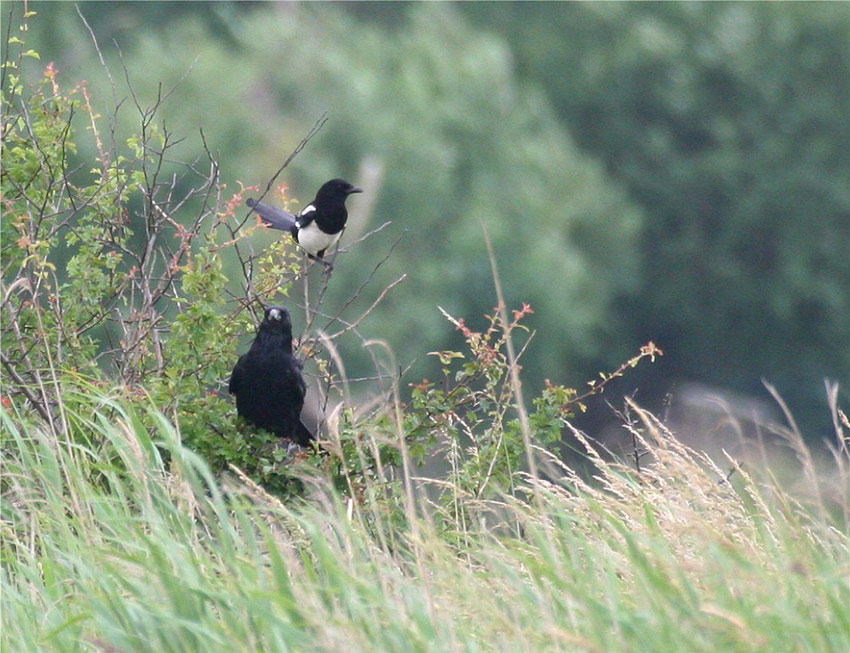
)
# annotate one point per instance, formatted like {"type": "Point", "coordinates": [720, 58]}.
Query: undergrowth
{"type": "Point", "coordinates": [146, 550]}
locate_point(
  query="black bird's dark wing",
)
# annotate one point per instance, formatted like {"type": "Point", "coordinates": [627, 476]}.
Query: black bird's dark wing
{"type": "Point", "coordinates": [274, 217]}
{"type": "Point", "coordinates": [236, 376]}
{"type": "Point", "coordinates": [300, 433]}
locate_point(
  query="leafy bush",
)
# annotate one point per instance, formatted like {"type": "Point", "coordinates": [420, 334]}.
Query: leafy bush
{"type": "Point", "coordinates": [115, 269]}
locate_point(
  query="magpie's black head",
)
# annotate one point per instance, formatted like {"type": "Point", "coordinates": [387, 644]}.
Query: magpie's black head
{"type": "Point", "coordinates": [276, 318]}
{"type": "Point", "coordinates": [336, 190]}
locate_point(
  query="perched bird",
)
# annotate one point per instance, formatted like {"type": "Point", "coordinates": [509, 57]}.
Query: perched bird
{"type": "Point", "coordinates": [267, 380]}
{"type": "Point", "coordinates": [319, 225]}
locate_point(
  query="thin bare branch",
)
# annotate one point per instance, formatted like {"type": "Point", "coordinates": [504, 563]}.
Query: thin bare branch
{"type": "Point", "coordinates": [512, 360]}
{"type": "Point", "coordinates": [23, 388]}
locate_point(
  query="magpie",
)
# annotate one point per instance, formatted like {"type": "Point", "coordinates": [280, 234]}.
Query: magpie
{"type": "Point", "coordinates": [319, 225]}
{"type": "Point", "coordinates": [267, 380]}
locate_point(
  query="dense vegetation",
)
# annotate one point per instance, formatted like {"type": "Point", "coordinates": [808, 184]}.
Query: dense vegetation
{"type": "Point", "coordinates": [132, 545]}
{"type": "Point", "coordinates": [139, 514]}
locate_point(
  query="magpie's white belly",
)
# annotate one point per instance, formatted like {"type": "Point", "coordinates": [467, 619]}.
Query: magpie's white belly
{"type": "Point", "coordinates": [314, 240]}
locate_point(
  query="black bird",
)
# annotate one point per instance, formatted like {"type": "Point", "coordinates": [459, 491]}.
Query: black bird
{"type": "Point", "coordinates": [319, 225]}
{"type": "Point", "coordinates": [267, 380]}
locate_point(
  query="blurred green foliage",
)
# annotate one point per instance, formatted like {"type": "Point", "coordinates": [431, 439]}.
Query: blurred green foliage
{"type": "Point", "coordinates": [707, 208]}
{"type": "Point", "coordinates": [728, 123]}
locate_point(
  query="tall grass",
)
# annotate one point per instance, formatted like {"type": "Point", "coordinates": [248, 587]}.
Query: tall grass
{"type": "Point", "coordinates": [116, 539]}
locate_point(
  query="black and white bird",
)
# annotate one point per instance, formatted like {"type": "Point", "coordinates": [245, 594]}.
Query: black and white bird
{"type": "Point", "coordinates": [267, 380]}
{"type": "Point", "coordinates": [319, 225]}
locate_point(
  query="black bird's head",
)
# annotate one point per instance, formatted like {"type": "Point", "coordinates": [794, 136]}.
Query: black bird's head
{"type": "Point", "coordinates": [276, 320]}
{"type": "Point", "coordinates": [336, 190]}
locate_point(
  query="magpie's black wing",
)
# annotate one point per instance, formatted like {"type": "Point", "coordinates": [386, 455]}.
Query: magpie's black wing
{"type": "Point", "coordinates": [273, 216]}
{"type": "Point", "coordinates": [306, 216]}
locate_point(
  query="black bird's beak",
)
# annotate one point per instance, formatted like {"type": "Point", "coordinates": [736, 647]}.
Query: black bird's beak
{"type": "Point", "coordinates": [354, 189]}
{"type": "Point", "coordinates": [274, 314]}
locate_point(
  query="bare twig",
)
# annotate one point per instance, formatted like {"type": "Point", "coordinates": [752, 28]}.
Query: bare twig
{"type": "Point", "coordinates": [24, 389]}
{"type": "Point", "coordinates": [369, 310]}
{"type": "Point", "coordinates": [315, 129]}
{"type": "Point", "coordinates": [512, 359]}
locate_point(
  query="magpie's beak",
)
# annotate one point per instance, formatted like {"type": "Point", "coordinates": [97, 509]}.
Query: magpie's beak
{"type": "Point", "coordinates": [354, 189]}
{"type": "Point", "coordinates": [275, 315]}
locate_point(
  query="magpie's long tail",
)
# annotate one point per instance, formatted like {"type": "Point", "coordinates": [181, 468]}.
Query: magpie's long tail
{"type": "Point", "coordinates": [274, 217]}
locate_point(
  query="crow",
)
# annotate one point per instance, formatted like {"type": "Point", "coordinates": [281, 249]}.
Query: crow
{"type": "Point", "coordinates": [319, 225]}
{"type": "Point", "coordinates": [267, 380]}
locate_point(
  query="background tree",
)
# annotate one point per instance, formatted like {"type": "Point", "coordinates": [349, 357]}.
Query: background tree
{"type": "Point", "coordinates": [728, 124]}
